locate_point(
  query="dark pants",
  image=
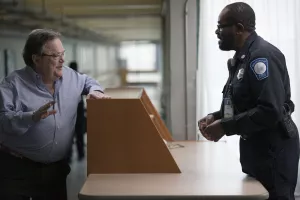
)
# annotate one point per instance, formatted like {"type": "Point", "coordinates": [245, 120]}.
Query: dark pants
{"type": "Point", "coordinates": [22, 179]}
{"type": "Point", "coordinates": [273, 160]}
{"type": "Point", "coordinates": [80, 129]}
{"type": "Point", "coordinates": [80, 145]}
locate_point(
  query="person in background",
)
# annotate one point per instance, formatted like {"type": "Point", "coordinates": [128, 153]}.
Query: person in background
{"type": "Point", "coordinates": [80, 124]}
{"type": "Point", "coordinates": [38, 108]}
{"type": "Point", "coordinates": [256, 104]}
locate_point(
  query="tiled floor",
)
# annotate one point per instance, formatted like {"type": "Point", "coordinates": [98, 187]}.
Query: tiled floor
{"type": "Point", "coordinates": [76, 177]}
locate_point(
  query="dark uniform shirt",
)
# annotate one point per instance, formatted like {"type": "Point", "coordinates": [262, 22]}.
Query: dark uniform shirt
{"type": "Point", "coordinates": [259, 87]}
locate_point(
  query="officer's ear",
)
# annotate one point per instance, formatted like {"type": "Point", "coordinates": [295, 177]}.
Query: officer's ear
{"type": "Point", "coordinates": [240, 28]}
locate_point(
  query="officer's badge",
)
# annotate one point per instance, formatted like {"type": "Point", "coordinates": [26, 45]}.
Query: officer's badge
{"type": "Point", "coordinates": [240, 74]}
{"type": "Point", "coordinates": [260, 68]}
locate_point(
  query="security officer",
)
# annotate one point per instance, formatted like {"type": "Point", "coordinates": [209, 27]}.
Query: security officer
{"type": "Point", "coordinates": [256, 104]}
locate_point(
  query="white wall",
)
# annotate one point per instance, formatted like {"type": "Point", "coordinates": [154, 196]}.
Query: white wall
{"type": "Point", "coordinates": [16, 45]}
{"type": "Point", "coordinates": [2, 72]}
{"type": "Point", "coordinates": [179, 93]}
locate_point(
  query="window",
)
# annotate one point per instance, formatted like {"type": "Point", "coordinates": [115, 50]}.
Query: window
{"type": "Point", "coordinates": [139, 55]}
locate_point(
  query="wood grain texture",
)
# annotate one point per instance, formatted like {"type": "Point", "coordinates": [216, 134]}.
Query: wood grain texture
{"type": "Point", "coordinates": [159, 123]}
{"type": "Point", "coordinates": [122, 138]}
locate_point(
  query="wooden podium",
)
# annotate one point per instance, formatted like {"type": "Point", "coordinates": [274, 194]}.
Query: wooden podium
{"type": "Point", "coordinates": [125, 134]}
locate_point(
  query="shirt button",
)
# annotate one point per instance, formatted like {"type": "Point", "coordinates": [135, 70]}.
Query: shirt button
{"type": "Point", "coordinates": [55, 142]}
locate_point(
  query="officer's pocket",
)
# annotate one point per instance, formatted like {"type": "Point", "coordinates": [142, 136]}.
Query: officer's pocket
{"type": "Point", "coordinates": [266, 169]}
{"type": "Point", "coordinates": [240, 97]}
{"type": "Point", "coordinates": [265, 174]}
{"type": "Point", "coordinates": [289, 127]}
{"type": "Point", "coordinates": [240, 90]}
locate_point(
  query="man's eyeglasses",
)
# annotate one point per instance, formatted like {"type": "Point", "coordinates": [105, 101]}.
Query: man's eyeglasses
{"type": "Point", "coordinates": [221, 26]}
{"type": "Point", "coordinates": [55, 56]}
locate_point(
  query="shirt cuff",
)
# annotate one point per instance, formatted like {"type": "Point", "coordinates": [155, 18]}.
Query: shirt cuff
{"type": "Point", "coordinates": [229, 126]}
{"type": "Point", "coordinates": [217, 115]}
{"type": "Point", "coordinates": [96, 88]}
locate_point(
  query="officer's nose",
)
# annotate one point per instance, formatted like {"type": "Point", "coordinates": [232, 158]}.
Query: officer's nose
{"type": "Point", "coordinates": [217, 31]}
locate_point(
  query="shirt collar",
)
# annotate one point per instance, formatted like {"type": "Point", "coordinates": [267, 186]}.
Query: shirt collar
{"type": "Point", "coordinates": [240, 55]}
{"type": "Point", "coordinates": [35, 76]}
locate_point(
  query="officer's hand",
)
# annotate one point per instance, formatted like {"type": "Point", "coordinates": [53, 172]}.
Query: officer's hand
{"type": "Point", "coordinates": [43, 112]}
{"type": "Point", "coordinates": [215, 131]}
{"type": "Point", "coordinates": [203, 123]}
{"type": "Point", "coordinates": [209, 119]}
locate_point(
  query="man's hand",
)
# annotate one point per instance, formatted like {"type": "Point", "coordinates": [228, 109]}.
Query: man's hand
{"type": "Point", "coordinates": [203, 123]}
{"type": "Point", "coordinates": [215, 131]}
{"type": "Point", "coordinates": [43, 112]}
{"type": "Point", "coordinates": [97, 95]}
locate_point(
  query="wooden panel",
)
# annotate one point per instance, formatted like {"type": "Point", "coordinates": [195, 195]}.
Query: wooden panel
{"type": "Point", "coordinates": [121, 22]}
{"type": "Point", "coordinates": [94, 2]}
{"type": "Point", "coordinates": [158, 121]}
{"type": "Point", "coordinates": [101, 12]}
{"type": "Point", "coordinates": [104, 9]}
{"type": "Point", "coordinates": [122, 138]}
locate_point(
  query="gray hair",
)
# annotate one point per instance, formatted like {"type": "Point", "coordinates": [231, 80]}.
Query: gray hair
{"type": "Point", "coordinates": [35, 43]}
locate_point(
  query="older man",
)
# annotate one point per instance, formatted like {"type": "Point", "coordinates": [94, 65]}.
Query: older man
{"type": "Point", "coordinates": [38, 106]}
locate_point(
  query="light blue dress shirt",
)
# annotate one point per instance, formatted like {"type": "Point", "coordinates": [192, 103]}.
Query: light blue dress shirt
{"type": "Point", "coordinates": [23, 92]}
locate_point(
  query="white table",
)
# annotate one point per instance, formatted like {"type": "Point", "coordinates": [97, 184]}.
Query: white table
{"type": "Point", "coordinates": [209, 171]}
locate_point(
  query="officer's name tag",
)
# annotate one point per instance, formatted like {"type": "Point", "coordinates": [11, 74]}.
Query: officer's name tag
{"type": "Point", "coordinates": [240, 74]}
{"type": "Point", "coordinates": [228, 108]}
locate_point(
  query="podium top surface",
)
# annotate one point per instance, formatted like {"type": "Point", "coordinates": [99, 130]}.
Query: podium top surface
{"type": "Point", "coordinates": [124, 93]}
{"type": "Point", "coordinates": [208, 170]}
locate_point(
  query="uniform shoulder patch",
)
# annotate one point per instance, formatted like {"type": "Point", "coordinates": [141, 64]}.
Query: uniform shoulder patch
{"type": "Point", "coordinates": [260, 68]}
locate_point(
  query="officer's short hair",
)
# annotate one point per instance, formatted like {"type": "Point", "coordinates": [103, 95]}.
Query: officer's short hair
{"type": "Point", "coordinates": [241, 12]}
{"type": "Point", "coordinates": [35, 43]}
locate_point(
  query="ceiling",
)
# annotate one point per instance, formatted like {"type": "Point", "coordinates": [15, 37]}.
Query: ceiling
{"type": "Point", "coordinates": [111, 19]}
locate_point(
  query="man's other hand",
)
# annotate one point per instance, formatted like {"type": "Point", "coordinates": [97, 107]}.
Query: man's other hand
{"type": "Point", "coordinates": [97, 95]}
{"type": "Point", "coordinates": [43, 112]}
